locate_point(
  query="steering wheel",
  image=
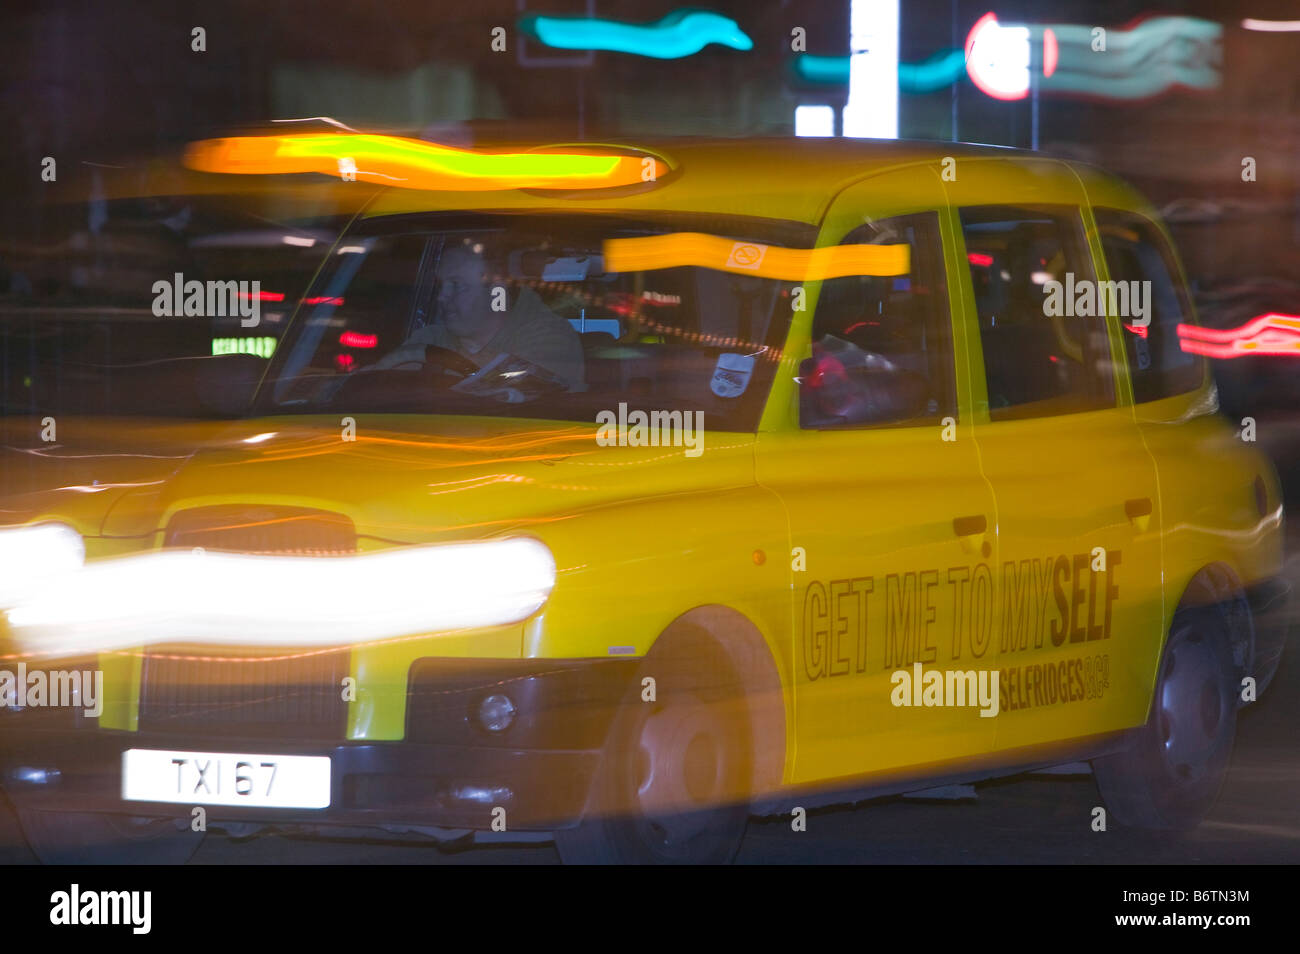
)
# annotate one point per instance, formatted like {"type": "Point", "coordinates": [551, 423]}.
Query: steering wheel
{"type": "Point", "coordinates": [437, 357]}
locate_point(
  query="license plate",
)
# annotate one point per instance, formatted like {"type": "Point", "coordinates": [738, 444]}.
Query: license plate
{"type": "Point", "coordinates": [226, 778]}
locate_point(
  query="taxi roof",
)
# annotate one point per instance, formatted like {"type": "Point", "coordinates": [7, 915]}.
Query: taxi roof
{"type": "Point", "coordinates": [792, 179]}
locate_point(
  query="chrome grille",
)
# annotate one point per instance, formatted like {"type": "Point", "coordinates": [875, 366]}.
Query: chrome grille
{"type": "Point", "coordinates": [258, 529]}
{"type": "Point", "coordinates": [297, 694]}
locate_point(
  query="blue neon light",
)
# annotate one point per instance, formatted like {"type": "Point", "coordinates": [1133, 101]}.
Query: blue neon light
{"type": "Point", "coordinates": [680, 33]}
{"type": "Point", "coordinates": [933, 73]}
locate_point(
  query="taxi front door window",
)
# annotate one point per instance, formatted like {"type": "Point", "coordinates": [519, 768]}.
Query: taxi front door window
{"type": "Point", "coordinates": [881, 347]}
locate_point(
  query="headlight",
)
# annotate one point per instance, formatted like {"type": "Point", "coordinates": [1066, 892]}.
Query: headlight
{"type": "Point", "coordinates": [33, 555]}
{"type": "Point", "coordinates": [496, 712]}
{"type": "Point", "coordinates": [239, 599]}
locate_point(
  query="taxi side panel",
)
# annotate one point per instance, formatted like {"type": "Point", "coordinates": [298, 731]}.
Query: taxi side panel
{"type": "Point", "coordinates": [1079, 580]}
{"type": "Point", "coordinates": [1221, 503]}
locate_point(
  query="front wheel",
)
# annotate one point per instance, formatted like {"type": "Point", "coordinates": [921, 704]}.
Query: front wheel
{"type": "Point", "coordinates": [673, 785]}
{"type": "Point", "coordinates": [89, 838]}
{"type": "Point", "coordinates": [1171, 775]}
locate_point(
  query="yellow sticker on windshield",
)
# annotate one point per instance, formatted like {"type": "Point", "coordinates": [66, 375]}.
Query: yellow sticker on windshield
{"type": "Point", "coordinates": [770, 261]}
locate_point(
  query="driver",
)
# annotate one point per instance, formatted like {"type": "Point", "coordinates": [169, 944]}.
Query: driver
{"type": "Point", "coordinates": [469, 325]}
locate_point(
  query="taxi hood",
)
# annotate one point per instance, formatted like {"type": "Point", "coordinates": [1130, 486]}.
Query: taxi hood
{"type": "Point", "coordinates": [405, 479]}
{"type": "Point", "coordinates": [75, 469]}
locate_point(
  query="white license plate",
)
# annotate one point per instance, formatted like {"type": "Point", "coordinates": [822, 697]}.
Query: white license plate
{"type": "Point", "coordinates": [226, 778]}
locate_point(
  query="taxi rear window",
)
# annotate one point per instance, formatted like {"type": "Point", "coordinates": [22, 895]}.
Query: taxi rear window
{"type": "Point", "coordinates": [1137, 253]}
{"type": "Point", "coordinates": [1038, 360]}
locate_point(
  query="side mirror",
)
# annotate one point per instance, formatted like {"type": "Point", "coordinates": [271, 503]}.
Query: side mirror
{"type": "Point", "coordinates": [226, 384]}
{"type": "Point", "coordinates": [832, 395]}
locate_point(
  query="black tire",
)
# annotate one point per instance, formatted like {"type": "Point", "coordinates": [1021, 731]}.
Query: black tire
{"type": "Point", "coordinates": [673, 787]}
{"type": "Point", "coordinates": [88, 838]}
{"type": "Point", "coordinates": [1170, 776]}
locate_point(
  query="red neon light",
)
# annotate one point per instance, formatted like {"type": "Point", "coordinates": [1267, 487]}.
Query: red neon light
{"type": "Point", "coordinates": [980, 259]}
{"type": "Point", "coordinates": [1272, 334]}
{"type": "Point", "coordinates": [322, 300]}
{"type": "Point", "coordinates": [353, 339]}
{"type": "Point", "coordinates": [264, 296]}
{"type": "Point", "coordinates": [1051, 53]}
{"type": "Point", "coordinates": [989, 19]}
{"type": "Point", "coordinates": [1139, 330]}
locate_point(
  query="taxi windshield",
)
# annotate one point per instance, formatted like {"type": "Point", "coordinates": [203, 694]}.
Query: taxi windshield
{"type": "Point", "coordinates": [541, 316]}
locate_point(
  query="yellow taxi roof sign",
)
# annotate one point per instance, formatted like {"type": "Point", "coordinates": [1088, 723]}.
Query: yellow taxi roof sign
{"type": "Point", "coordinates": [416, 164]}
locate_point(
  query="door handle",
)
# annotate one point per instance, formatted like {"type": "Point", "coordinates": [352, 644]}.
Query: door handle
{"type": "Point", "coordinates": [1137, 507]}
{"type": "Point", "coordinates": [970, 530]}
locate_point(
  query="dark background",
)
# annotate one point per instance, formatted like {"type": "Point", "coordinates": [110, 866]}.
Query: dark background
{"type": "Point", "coordinates": [92, 82]}
{"type": "Point", "coordinates": [96, 84]}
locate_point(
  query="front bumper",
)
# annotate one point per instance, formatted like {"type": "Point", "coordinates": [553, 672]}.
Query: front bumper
{"type": "Point", "coordinates": [372, 784]}
{"type": "Point", "coordinates": [448, 773]}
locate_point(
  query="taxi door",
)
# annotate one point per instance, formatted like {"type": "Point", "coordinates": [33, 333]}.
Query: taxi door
{"type": "Point", "coordinates": [867, 440]}
{"type": "Point", "coordinates": [1079, 568]}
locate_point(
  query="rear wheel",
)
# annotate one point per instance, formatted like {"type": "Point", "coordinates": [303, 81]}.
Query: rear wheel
{"type": "Point", "coordinates": [673, 785]}
{"type": "Point", "coordinates": [1171, 775]}
{"type": "Point", "coordinates": [89, 838]}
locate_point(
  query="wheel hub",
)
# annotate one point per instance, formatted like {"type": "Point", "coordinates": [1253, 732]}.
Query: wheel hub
{"type": "Point", "coordinates": [1192, 707]}
{"type": "Point", "coordinates": [681, 769]}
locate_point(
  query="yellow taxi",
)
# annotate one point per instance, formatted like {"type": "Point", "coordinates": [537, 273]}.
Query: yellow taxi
{"type": "Point", "coordinates": [622, 492]}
